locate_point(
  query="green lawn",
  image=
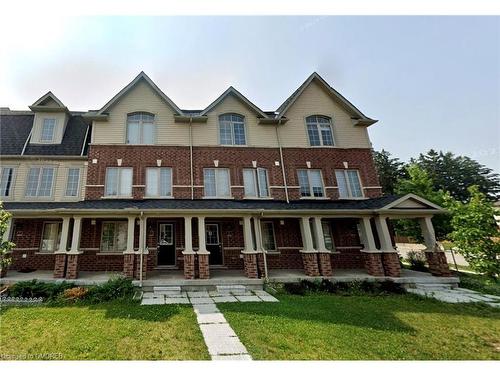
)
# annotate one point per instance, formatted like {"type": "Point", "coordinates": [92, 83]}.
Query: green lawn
{"type": "Point", "coordinates": [115, 330]}
{"type": "Point", "coordinates": [379, 327]}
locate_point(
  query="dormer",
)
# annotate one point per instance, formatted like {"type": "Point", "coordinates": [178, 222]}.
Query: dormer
{"type": "Point", "coordinates": [51, 117]}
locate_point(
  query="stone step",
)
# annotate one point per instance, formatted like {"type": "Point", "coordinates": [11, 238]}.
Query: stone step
{"type": "Point", "coordinates": [433, 286]}
{"type": "Point", "coordinates": [231, 288]}
{"type": "Point", "coordinates": [167, 289]}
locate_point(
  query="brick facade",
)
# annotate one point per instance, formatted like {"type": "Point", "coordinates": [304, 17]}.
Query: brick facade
{"type": "Point", "coordinates": [392, 267]}
{"type": "Point", "coordinates": [251, 268]}
{"type": "Point", "coordinates": [373, 264]}
{"type": "Point", "coordinates": [438, 265]}
{"type": "Point", "coordinates": [311, 267]}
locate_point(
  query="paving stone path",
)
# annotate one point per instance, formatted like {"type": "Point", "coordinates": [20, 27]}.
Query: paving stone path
{"type": "Point", "coordinates": [444, 293]}
{"type": "Point", "coordinates": [222, 342]}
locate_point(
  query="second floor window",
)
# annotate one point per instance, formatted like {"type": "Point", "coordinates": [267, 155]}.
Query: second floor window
{"type": "Point", "coordinates": [159, 182]}
{"type": "Point", "coordinates": [232, 129]}
{"type": "Point", "coordinates": [118, 182]}
{"type": "Point", "coordinates": [6, 181]}
{"type": "Point", "coordinates": [255, 181]}
{"type": "Point", "coordinates": [319, 130]}
{"type": "Point", "coordinates": [311, 183]}
{"type": "Point", "coordinates": [140, 128]}
{"type": "Point", "coordinates": [48, 129]}
{"type": "Point", "coordinates": [216, 182]}
{"type": "Point", "coordinates": [349, 183]}
{"type": "Point", "coordinates": [39, 182]}
{"type": "Point", "coordinates": [73, 182]}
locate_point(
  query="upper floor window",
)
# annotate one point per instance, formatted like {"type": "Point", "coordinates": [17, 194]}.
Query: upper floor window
{"type": "Point", "coordinates": [118, 182]}
{"type": "Point", "coordinates": [232, 129]}
{"type": "Point", "coordinates": [255, 182]}
{"type": "Point", "coordinates": [140, 128]}
{"type": "Point", "coordinates": [159, 182]}
{"type": "Point", "coordinates": [73, 182]}
{"type": "Point", "coordinates": [349, 183]}
{"type": "Point", "coordinates": [6, 181]}
{"type": "Point", "coordinates": [48, 130]}
{"type": "Point", "coordinates": [216, 182]}
{"type": "Point", "coordinates": [311, 183]}
{"type": "Point", "coordinates": [39, 182]}
{"type": "Point", "coordinates": [319, 130]}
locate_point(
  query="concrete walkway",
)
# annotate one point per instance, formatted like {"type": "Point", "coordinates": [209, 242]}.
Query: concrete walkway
{"type": "Point", "coordinates": [454, 295]}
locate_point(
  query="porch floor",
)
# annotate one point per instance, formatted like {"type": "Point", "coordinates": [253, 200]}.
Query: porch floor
{"type": "Point", "coordinates": [227, 277]}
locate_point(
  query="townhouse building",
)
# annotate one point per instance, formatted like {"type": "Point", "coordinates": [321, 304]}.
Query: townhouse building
{"type": "Point", "coordinates": [143, 187]}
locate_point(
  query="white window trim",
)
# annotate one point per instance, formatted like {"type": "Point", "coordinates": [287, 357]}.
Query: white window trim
{"type": "Point", "coordinates": [330, 118]}
{"type": "Point", "coordinates": [53, 133]}
{"type": "Point", "coordinates": [114, 250]}
{"type": "Point", "coordinates": [140, 130]}
{"type": "Point", "coordinates": [159, 184]}
{"type": "Point", "coordinates": [118, 196]}
{"type": "Point", "coordinates": [311, 192]}
{"type": "Point", "coordinates": [54, 178]}
{"type": "Point", "coordinates": [79, 183]}
{"type": "Point", "coordinates": [348, 185]}
{"type": "Point", "coordinates": [232, 130]}
{"type": "Point", "coordinates": [12, 190]}
{"type": "Point", "coordinates": [216, 196]}
{"type": "Point", "coordinates": [275, 250]}
{"type": "Point", "coordinates": [255, 172]}
{"type": "Point", "coordinates": [40, 248]}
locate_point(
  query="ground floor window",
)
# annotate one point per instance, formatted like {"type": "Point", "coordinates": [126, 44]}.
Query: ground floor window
{"type": "Point", "coordinates": [114, 236]}
{"type": "Point", "coordinates": [327, 236]}
{"type": "Point", "coordinates": [268, 238]}
{"type": "Point", "coordinates": [51, 237]}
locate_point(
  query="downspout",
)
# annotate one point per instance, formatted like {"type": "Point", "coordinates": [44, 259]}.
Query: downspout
{"type": "Point", "coordinates": [191, 154]}
{"type": "Point", "coordinates": [281, 161]}
{"type": "Point", "coordinates": [264, 251]}
{"type": "Point", "coordinates": [141, 246]}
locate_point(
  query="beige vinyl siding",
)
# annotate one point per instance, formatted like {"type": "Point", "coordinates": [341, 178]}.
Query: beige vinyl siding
{"type": "Point", "coordinates": [207, 134]}
{"type": "Point", "coordinates": [60, 178]}
{"type": "Point", "coordinates": [61, 120]}
{"type": "Point", "coordinates": [141, 98]}
{"type": "Point", "coordinates": [314, 100]}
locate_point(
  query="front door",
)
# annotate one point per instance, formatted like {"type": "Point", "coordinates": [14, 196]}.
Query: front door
{"type": "Point", "coordinates": [213, 244]}
{"type": "Point", "coordinates": [166, 244]}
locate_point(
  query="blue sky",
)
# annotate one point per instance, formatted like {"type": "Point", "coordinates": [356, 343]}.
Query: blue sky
{"type": "Point", "coordinates": [432, 82]}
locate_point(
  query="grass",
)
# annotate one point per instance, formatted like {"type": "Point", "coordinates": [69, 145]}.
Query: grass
{"type": "Point", "coordinates": [113, 330]}
{"type": "Point", "coordinates": [479, 283]}
{"type": "Point", "coordinates": [332, 327]}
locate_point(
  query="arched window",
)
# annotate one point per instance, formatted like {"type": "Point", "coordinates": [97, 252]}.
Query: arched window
{"type": "Point", "coordinates": [140, 128]}
{"type": "Point", "coordinates": [232, 129]}
{"type": "Point", "coordinates": [319, 130]}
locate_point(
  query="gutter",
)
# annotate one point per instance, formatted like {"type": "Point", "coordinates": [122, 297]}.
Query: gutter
{"type": "Point", "coordinates": [191, 155]}
{"type": "Point", "coordinates": [281, 161]}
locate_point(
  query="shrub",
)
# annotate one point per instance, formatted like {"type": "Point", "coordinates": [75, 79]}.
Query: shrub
{"type": "Point", "coordinates": [344, 288]}
{"type": "Point", "coordinates": [416, 260]}
{"type": "Point", "coordinates": [390, 286]}
{"type": "Point", "coordinates": [295, 288]}
{"type": "Point", "coordinates": [74, 294]}
{"type": "Point", "coordinates": [311, 286]}
{"type": "Point", "coordinates": [36, 289]}
{"type": "Point", "coordinates": [115, 288]}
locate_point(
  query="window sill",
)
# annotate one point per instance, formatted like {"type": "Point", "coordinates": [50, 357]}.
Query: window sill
{"type": "Point", "coordinates": [273, 252]}
{"type": "Point", "coordinates": [259, 198]}
{"type": "Point", "coordinates": [105, 253]}
{"type": "Point", "coordinates": [117, 197]}
{"type": "Point", "coordinates": [218, 198]}
{"type": "Point", "coordinates": [45, 252]}
{"type": "Point", "coordinates": [154, 197]}
{"type": "Point", "coordinates": [352, 198]}
{"type": "Point", "coordinates": [315, 198]}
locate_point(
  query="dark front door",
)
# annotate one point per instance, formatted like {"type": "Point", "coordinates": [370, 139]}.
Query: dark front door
{"type": "Point", "coordinates": [166, 244]}
{"type": "Point", "coordinates": [213, 243]}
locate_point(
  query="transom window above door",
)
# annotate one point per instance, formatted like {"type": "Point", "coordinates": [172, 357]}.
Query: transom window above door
{"type": "Point", "coordinates": [311, 183]}
{"type": "Point", "coordinates": [232, 129]}
{"type": "Point", "coordinates": [319, 130]}
{"type": "Point", "coordinates": [141, 129]}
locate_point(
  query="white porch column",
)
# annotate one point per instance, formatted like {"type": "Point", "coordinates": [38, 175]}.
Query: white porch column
{"type": "Point", "coordinates": [428, 233]}
{"type": "Point", "coordinates": [258, 235]}
{"type": "Point", "coordinates": [63, 245]}
{"type": "Point", "coordinates": [307, 241]}
{"type": "Point", "coordinates": [383, 234]}
{"type": "Point", "coordinates": [142, 235]}
{"type": "Point", "coordinates": [366, 229]}
{"type": "Point", "coordinates": [318, 232]}
{"type": "Point", "coordinates": [247, 233]}
{"type": "Point", "coordinates": [130, 235]}
{"type": "Point", "coordinates": [8, 230]}
{"type": "Point", "coordinates": [188, 235]}
{"type": "Point", "coordinates": [202, 246]}
{"type": "Point", "coordinates": [75, 240]}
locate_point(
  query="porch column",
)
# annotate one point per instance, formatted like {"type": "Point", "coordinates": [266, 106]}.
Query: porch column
{"type": "Point", "coordinates": [373, 256]}
{"type": "Point", "coordinates": [324, 255]}
{"type": "Point", "coordinates": [366, 230]}
{"type": "Point", "coordinates": [130, 234]}
{"type": "Point", "coordinates": [383, 234]}
{"type": "Point", "coordinates": [60, 254]}
{"type": "Point", "coordinates": [390, 257]}
{"type": "Point", "coordinates": [203, 265]}
{"type": "Point", "coordinates": [73, 254]}
{"type": "Point", "coordinates": [188, 253]}
{"type": "Point", "coordinates": [141, 259]}
{"type": "Point", "coordinates": [438, 264]}
{"type": "Point", "coordinates": [249, 254]}
{"type": "Point", "coordinates": [128, 254]}
{"type": "Point", "coordinates": [258, 235]}
{"type": "Point", "coordinates": [8, 230]}
{"type": "Point", "coordinates": [309, 255]}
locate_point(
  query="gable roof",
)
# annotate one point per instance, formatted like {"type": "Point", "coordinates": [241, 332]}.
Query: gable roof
{"type": "Point", "coordinates": [232, 91]}
{"type": "Point", "coordinates": [44, 98]}
{"type": "Point", "coordinates": [126, 89]}
{"type": "Point", "coordinates": [355, 112]}
{"type": "Point", "coordinates": [411, 201]}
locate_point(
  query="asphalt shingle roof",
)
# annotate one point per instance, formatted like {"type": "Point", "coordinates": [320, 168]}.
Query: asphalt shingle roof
{"type": "Point", "coordinates": [14, 130]}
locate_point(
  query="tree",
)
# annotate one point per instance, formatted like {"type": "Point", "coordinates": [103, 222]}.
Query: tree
{"type": "Point", "coordinates": [420, 183]}
{"type": "Point", "coordinates": [390, 170]}
{"type": "Point", "coordinates": [5, 246]}
{"type": "Point", "coordinates": [456, 174]}
{"type": "Point", "coordinates": [474, 232]}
